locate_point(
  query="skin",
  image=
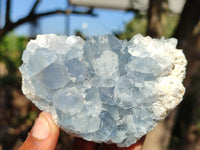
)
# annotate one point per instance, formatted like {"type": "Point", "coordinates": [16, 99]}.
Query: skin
{"type": "Point", "coordinates": [44, 136]}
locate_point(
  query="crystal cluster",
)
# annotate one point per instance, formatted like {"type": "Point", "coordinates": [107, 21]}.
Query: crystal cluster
{"type": "Point", "coordinates": [104, 89]}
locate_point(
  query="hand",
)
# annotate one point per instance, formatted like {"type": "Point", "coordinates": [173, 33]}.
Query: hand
{"type": "Point", "coordinates": [44, 135]}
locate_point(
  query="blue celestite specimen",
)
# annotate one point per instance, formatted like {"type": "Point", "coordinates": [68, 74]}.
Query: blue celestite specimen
{"type": "Point", "coordinates": [104, 89]}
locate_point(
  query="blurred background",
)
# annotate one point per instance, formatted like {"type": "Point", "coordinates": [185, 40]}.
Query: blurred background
{"type": "Point", "coordinates": [22, 20]}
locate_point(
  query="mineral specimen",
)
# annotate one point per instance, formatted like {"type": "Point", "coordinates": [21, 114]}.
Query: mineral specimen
{"type": "Point", "coordinates": [104, 89]}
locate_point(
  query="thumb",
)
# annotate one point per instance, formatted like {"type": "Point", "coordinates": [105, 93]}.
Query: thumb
{"type": "Point", "coordinates": [43, 135]}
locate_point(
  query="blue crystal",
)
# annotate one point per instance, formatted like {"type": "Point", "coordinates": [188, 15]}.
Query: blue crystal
{"type": "Point", "coordinates": [104, 89]}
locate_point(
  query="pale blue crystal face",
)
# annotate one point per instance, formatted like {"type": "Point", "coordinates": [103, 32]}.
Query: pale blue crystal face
{"type": "Point", "coordinates": [54, 76]}
{"type": "Point", "coordinates": [104, 89]}
{"type": "Point", "coordinates": [76, 69]}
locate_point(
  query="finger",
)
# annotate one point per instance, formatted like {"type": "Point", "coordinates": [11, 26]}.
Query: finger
{"type": "Point", "coordinates": [43, 135]}
{"type": "Point", "coordinates": [81, 144]}
{"type": "Point", "coordinates": [136, 146]}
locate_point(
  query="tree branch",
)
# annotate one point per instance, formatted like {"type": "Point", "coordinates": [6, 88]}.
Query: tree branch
{"type": "Point", "coordinates": [190, 16]}
{"type": "Point", "coordinates": [34, 7]}
{"type": "Point", "coordinates": [156, 13]}
{"type": "Point", "coordinates": [7, 13]}
{"type": "Point", "coordinates": [33, 16]}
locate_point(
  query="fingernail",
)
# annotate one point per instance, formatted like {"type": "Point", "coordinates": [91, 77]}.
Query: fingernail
{"type": "Point", "coordinates": [41, 128]}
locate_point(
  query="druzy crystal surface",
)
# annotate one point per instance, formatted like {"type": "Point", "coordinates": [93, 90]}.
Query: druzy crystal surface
{"type": "Point", "coordinates": [104, 89]}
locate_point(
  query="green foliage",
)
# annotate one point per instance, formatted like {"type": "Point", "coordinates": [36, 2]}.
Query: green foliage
{"type": "Point", "coordinates": [170, 25]}
{"type": "Point", "coordinates": [11, 48]}
{"type": "Point", "coordinates": [139, 25]}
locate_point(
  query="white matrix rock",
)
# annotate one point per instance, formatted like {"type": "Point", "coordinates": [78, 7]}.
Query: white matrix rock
{"type": "Point", "coordinates": [104, 89]}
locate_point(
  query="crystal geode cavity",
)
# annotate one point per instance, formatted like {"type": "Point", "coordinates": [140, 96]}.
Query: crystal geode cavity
{"type": "Point", "coordinates": [104, 89]}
